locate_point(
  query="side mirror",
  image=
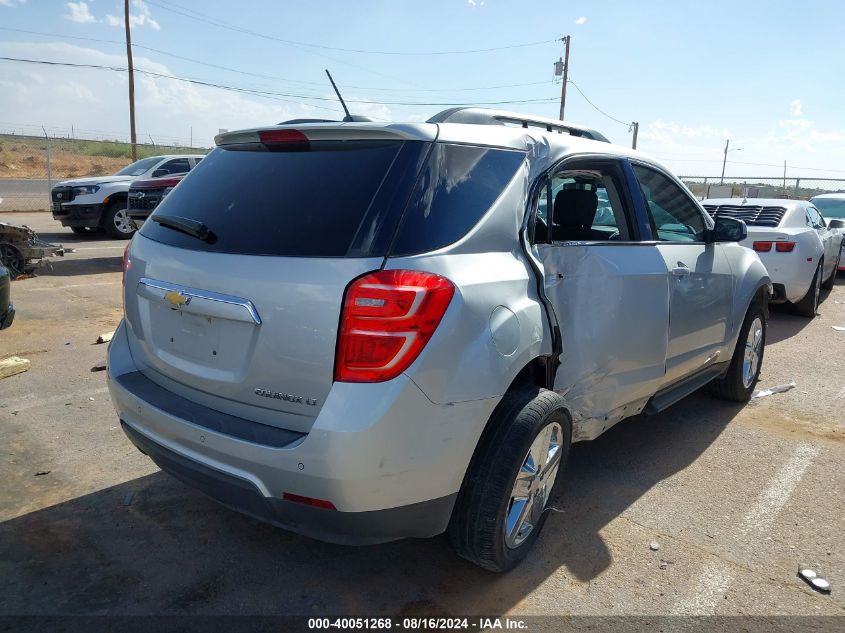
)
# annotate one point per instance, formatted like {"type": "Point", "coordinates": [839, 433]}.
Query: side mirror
{"type": "Point", "coordinates": [729, 230]}
{"type": "Point", "coordinates": [160, 172]}
{"type": "Point", "coordinates": [836, 224]}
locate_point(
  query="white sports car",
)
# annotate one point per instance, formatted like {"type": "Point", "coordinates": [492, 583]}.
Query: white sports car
{"type": "Point", "coordinates": [832, 208]}
{"type": "Point", "coordinates": [793, 241]}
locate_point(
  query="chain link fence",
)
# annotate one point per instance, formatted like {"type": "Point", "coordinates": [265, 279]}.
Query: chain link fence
{"type": "Point", "coordinates": [31, 165]}
{"type": "Point", "coordinates": [794, 187]}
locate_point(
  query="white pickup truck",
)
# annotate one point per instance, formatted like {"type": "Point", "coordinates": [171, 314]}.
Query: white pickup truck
{"type": "Point", "coordinates": [99, 202]}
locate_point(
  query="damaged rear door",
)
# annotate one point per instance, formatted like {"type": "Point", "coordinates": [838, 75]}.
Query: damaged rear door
{"type": "Point", "coordinates": [609, 290]}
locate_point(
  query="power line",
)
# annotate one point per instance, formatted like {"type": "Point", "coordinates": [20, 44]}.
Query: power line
{"type": "Point", "coordinates": [271, 77]}
{"type": "Point", "coordinates": [196, 15]}
{"type": "Point", "coordinates": [598, 109]}
{"type": "Point", "coordinates": [271, 93]}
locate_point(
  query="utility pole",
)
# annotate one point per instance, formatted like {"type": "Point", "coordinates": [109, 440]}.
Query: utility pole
{"type": "Point", "coordinates": [785, 195]}
{"type": "Point", "coordinates": [131, 82]}
{"type": "Point", "coordinates": [636, 126]}
{"type": "Point", "coordinates": [565, 75]}
{"type": "Point", "coordinates": [724, 162]}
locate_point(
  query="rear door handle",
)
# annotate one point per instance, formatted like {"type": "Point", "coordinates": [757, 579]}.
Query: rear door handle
{"type": "Point", "coordinates": [680, 271]}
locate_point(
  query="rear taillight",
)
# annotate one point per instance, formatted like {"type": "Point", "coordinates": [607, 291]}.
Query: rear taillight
{"type": "Point", "coordinates": [127, 263]}
{"type": "Point", "coordinates": [784, 247]}
{"type": "Point", "coordinates": [762, 247]}
{"type": "Point", "coordinates": [388, 317]}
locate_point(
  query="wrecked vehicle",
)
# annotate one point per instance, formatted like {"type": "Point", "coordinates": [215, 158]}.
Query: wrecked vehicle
{"type": "Point", "coordinates": [7, 310]}
{"type": "Point", "coordinates": [363, 331]}
{"type": "Point", "coordinates": [21, 251]}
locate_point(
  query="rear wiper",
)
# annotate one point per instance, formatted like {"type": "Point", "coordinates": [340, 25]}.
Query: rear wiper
{"type": "Point", "coordinates": [194, 228]}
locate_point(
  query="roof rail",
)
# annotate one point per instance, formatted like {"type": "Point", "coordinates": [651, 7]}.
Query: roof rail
{"type": "Point", "coordinates": [486, 116]}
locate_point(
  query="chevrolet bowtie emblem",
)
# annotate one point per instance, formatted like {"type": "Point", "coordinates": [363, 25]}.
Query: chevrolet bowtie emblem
{"type": "Point", "coordinates": [177, 299]}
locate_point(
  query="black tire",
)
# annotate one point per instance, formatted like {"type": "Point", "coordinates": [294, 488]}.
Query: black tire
{"type": "Point", "coordinates": [828, 283]}
{"type": "Point", "coordinates": [79, 230]}
{"type": "Point", "coordinates": [115, 217]}
{"type": "Point", "coordinates": [12, 258]}
{"type": "Point", "coordinates": [809, 305]}
{"type": "Point", "coordinates": [477, 527]}
{"type": "Point", "coordinates": [732, 386]}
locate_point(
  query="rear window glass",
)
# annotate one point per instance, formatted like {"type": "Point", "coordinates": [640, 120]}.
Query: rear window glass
{"type": "Point", "coordinates": [455, 189]}
{"type": "Point", "coordinates": [316, 203]}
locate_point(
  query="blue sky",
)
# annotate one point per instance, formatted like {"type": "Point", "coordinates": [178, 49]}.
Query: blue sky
{"type": "Point", "coordinates": [763, 74]}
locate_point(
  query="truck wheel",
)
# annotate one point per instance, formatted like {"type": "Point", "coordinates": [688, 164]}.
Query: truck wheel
{"type": "Point", "coordinates": [744, 371]}
{"type": "Point", "coordinates": [512, 476]}
{"type": "Point", "coordinates": [116, 221]}
{"type": "Point", "coordinates": [810, 303]}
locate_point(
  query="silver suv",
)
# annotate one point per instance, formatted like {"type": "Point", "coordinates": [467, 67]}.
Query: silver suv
{"type": "Point", "coordinates": [362, 332]}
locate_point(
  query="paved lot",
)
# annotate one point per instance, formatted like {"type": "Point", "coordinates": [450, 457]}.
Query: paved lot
{"type": "Point", "coordinates": [736, 497]}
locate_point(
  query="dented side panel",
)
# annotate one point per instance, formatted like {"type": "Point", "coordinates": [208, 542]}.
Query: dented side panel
{"type": "Point", "coordinates": [612, 305]}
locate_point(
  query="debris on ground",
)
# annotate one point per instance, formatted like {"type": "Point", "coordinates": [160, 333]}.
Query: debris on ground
{"type": "Point", "coordinates": [42, 472]}
{"type": "Point", "coordinates": [105, 338]}
{"type": "Point", "coordinates": [21, 251]}
{"type": "Point", "coordinates": [654, 546]}
{"type": "Point", "coordinates": [762, 393]}
{"type": "Point", "coordinates": [100, 366]}
{"type": "Point", "coordinates": [664, 564]}
{"type": "Point", "coordinates": [813, 579]}
{"type": "Point", "coordinates": [127, 500]}
{"type": "Point", "coordinates": [838, 328]}
{"type": "Point", "coordinates": [13, 365]}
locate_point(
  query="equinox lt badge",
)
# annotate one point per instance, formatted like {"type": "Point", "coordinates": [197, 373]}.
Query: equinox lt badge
{"type": "Point", "coordinates": [289, 397]}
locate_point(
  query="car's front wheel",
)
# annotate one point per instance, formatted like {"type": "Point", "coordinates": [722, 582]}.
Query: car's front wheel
{"type": "Point", "coordinates": [514, 474]}
{"type": "Point", "coordinates": [116, 221]}
{"type": "Point", "coordinates": [744, 371]}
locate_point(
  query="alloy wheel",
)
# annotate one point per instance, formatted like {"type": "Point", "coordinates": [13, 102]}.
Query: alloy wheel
{"type": "Point", "coordinates": [753, 352]}
{"type": "Point", "coordinates": [533, 485]}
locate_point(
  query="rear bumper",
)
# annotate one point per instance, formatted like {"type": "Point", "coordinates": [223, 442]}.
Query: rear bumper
{"type": "Point", "coordinates": [78, 215]}
{"type": "Point", "coordinates": [791, 279]}
{"type": "Point", "coordinates": [346, 528]}
{"type": "Point", "coordinates": [385, 456]}
{"type": "Point", "coordinates": [7, 317]}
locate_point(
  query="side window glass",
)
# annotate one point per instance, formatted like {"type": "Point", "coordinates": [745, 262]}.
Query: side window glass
{"type": "Point", "coordinates": [586, 207]}
{"type": "Point", "coordinates": [674, 216]}
{"type": "Point", "coordinates": [817, 218]}
{"type": "Point", "coordinates": [541, 221]}
{"type": "Point", "coordinates": [178, 166]}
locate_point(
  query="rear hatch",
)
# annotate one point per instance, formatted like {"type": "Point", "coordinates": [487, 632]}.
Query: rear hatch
{"type": "Point", "coordinates": [244, 318]}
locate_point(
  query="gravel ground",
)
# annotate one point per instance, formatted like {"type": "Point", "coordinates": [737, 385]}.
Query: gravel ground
{"type": "Point", "coordinates": [736, 498]}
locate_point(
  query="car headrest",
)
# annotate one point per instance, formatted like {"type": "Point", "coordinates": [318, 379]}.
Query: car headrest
{"type": "Point", "coordinates": [575, 207]}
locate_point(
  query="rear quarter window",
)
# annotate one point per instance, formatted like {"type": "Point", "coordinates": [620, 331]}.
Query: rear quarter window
{"type": "Point", "coordinates": [455, 189]}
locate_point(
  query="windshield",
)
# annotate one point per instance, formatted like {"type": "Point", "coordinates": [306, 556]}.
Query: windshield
{"type": "Point", "coordinates": [139, 167]}
{"type": "Point", "coordinates": [830, 207]}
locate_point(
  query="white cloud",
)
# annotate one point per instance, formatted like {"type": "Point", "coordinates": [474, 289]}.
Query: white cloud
{"type": "Point", "coordinates": [795, 108]}
{"type": "Point", "coordinates": [95, 100]}
{"type": "Point", "coordinates": [140, 16]}
{"type": "Point", "coordinates": [12, 3]}
{"type": "Point", "coordinates": [475, 3]}
{"type": "Point", "coordinates": [581, 20]}
{"type": "Point", "coordinates": [79, 12]}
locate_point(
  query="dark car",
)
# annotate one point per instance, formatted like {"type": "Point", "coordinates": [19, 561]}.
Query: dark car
{"type": "Point", "coordinates": [144, 196]}
{"type": "Point", "coordinates": [7, 310]}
